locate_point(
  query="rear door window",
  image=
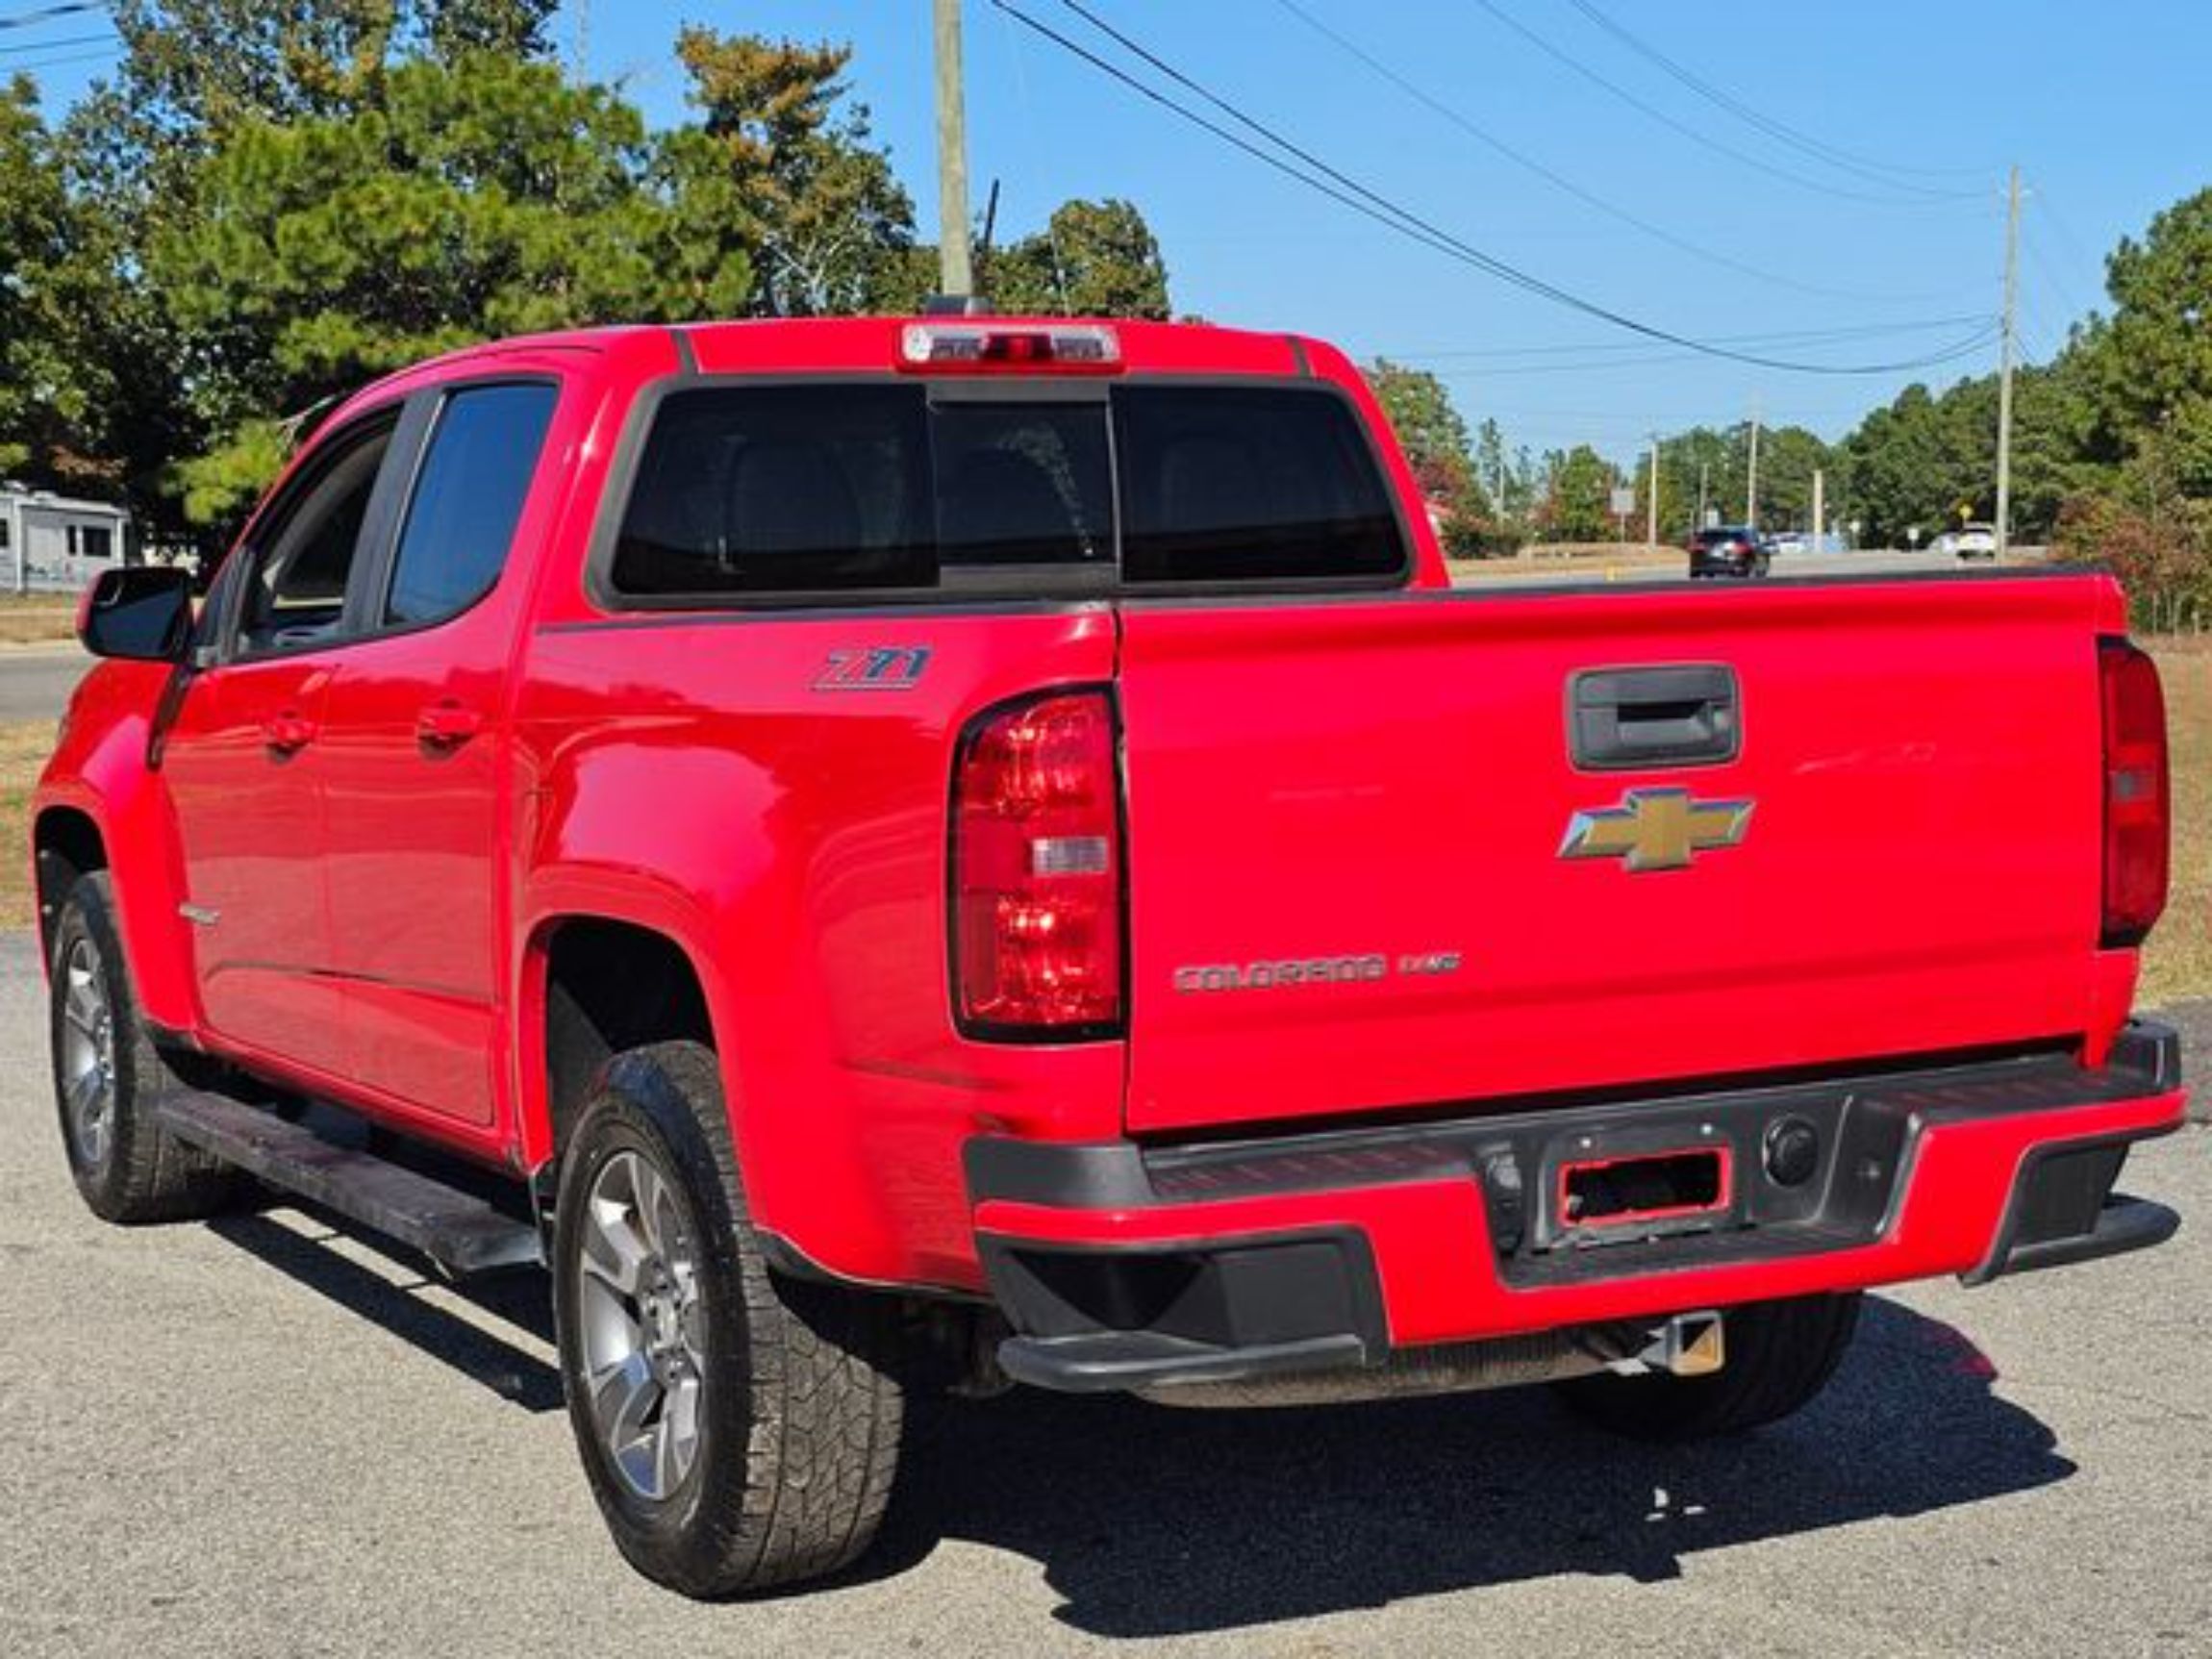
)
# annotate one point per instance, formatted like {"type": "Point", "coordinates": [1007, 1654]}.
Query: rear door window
{"type": "Point", "coordinates": [467, 497]}
{"type": "Point", "coordinates": [781, 488]}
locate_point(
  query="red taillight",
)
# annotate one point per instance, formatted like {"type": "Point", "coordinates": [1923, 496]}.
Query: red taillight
{"type": "Point", "coordinates": [1037, 869]}
{"type": "Point", "coordinates": [2137, 814]}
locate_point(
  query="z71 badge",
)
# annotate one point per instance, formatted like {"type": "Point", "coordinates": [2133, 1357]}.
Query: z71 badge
{"type": "Point", "coordinates": [873, 668]}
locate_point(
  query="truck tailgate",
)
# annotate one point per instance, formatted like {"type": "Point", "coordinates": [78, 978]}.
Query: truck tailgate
{"type": "Point", "coordinates": [1347, 821]}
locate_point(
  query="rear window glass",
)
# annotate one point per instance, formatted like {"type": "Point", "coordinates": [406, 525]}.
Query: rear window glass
{"type": "Point", "coordinates": [1229, 483]}
{"type": "Point", "coordinates": [803, 488]}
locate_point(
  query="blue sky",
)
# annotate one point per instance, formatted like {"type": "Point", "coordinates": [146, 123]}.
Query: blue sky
{"type": "Point", "coordinates": [2102, 106]}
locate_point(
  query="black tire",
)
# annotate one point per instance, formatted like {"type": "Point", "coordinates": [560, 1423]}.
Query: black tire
{"type": "Point", "coordinates": [109, 1076]}
{"type": "Point", "coordinates": [797, 1409]}
{"type": "Point", "coordinates": [1779, 1355]}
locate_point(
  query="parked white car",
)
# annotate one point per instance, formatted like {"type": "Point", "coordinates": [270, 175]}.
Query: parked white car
{"type": "Point", "coordinates": [1976, 541]}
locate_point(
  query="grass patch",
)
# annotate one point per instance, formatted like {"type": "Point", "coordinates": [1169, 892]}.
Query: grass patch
{"type": "Point", "coordinates": [2177, 962]}
{"type": "Point", "coordinates": [36, 618]}
{"type": "Point", "coordinates": [24, 746]}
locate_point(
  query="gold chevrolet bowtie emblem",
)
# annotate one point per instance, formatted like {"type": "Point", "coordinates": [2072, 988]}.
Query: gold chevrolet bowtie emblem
{"type": "Point", "coordinates": [1655, 829]}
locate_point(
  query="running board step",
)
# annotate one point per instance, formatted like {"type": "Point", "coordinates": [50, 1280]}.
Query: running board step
{"type": "Point", "coordinates": [460, 1231]}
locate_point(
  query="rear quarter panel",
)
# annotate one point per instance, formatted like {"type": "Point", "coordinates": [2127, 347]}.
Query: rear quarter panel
{"type": "Point", "coordinates": [697, 774]}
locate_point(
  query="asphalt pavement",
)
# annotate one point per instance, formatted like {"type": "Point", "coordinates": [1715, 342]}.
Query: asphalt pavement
{"type": "Point", "coordinates": [35, 680]}
{"type": "Point", "coordinates": [262, 1437]}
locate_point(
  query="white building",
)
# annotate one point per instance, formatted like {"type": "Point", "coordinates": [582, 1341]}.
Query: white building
{"type": "Point", "coordinates": [54, 543]}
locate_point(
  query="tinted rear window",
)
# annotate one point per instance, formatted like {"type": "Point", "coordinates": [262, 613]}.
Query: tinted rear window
{"type": "Point", "coordinates": [800, 488]}
{"type": "Point", "coordinates": [1230, 484]}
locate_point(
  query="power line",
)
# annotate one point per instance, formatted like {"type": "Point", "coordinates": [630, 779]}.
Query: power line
{"type": "Point", "coordinates": [18, 50]}
{"type": "Point", "coordinates": [1819, 149]}
{"type": "Point", "coordinates": [108, 55]}
{"type": "Point", "coordinates": [1364, 201]}
{"type": "Point", "coordinates": [1966, 348]}
{"type": "Point", "coordinates": [2040, 200]}
{"type": "Point", "coordinates": [1782, 337]}
{"type": "Point", "coordinates": [1482, 134]}
{"type": "Point", "coordinates": [1693, 134]}
{"type": "Point", "coordinates": [71, 9]}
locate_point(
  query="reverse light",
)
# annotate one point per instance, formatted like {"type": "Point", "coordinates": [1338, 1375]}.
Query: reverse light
{"type": "Point", "coordinates": [1037, 919]}
{"type": "Point", "coordinates": [2138, 816]}
{"type": "Point", "coordinates": [982, 347]}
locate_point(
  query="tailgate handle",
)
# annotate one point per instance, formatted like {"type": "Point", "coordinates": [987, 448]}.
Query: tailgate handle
{"type": "Point", "coordinates": [1668, 716]}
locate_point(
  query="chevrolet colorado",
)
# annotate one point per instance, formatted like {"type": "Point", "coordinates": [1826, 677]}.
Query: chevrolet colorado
{"type": "Point", "coordinates": [887, 851]}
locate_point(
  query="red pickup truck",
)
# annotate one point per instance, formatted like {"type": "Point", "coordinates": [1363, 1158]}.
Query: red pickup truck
{"type": "Point", "coordinates": [891, 850]}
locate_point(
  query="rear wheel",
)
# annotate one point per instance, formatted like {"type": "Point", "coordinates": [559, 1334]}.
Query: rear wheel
{"type": "Point", "coordinates": [109, 1077]}
{"type": "Point", "coordinates": [739, 1430]}
{"type": "Point", "coordinates": [1779, 1355]}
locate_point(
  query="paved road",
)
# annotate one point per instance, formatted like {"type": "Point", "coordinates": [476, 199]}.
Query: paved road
{"type": "Point", "coordinates": [1885, 562]}
{"type": "Point", "coordinates": [260, 1438]}
{"type": "Point", "coordinates": [35, 680]}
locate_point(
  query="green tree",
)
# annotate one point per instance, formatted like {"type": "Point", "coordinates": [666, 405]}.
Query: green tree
{"type": "Point", "coordinates": [2150, 367]}
{"type": "Point", "coordinates": [486, 196]}
{"type": "Point", "coordinates": [1787, 458]}
{"type": "Point", "coordinates": [193, 74]}
{"type": "Point", "coordinates": [42, 397]}
{"type": "Point", "coordinates": [1578, 503]}
{"type": "Point", "coordinates": [1703, 463]}
{"type": "Point", "coordinates": [1494, 471]}
{"type": "Point", "coordinates": [1094, 259]}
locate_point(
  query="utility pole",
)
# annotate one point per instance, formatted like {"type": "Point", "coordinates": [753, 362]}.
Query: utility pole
{"type": "Point", "coordinates": [956, 275]}
{"type": "Point", "coordinates": [2007, 351]}
{"type": "Point", "coordinates": [1820, 508]}
{"type": "Point", "coordinates": [1703, 469]}
{"type": "Point", "coordinates": [1752, 475]}
{"type": "Point", "coordinates": [1652, 504]}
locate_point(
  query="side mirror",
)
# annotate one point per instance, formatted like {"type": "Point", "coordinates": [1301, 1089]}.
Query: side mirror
{"type": "Point", "coordinates": [140, 612]}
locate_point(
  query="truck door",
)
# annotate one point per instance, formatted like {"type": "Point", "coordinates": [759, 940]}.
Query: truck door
{"type": "Point", "coordinates": [415, 756]}
{"type": "Point", "coordinates": [243, 761]}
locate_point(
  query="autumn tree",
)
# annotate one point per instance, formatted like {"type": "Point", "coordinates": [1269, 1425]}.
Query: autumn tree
{"type": "Point", "coordinates": [782, 172]}
{"type": "Point", "coordinates": [1434, 437]}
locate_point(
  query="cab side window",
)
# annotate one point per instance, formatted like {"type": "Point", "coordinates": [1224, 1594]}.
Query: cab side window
{"type": "Point", "coordinates": [468, 499]}
{"type": "Point", "coordinates": [295, 596]}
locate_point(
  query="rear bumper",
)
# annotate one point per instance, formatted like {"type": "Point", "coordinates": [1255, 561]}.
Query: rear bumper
{"type": "Point", "coordinates": [1121, 1265]}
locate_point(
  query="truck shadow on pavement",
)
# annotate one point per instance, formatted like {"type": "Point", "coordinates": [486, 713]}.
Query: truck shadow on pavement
{"type": "Point", "coordinates": [1157, 1521]}
{"type": "Point", "coordinates": [412, 1302]}
{"type": "Point", "coordinates": [1152, 1521]}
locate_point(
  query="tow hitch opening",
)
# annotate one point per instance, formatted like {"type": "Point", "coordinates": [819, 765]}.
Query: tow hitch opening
{"type": "Point", "coordinates": [1613, 1192]}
